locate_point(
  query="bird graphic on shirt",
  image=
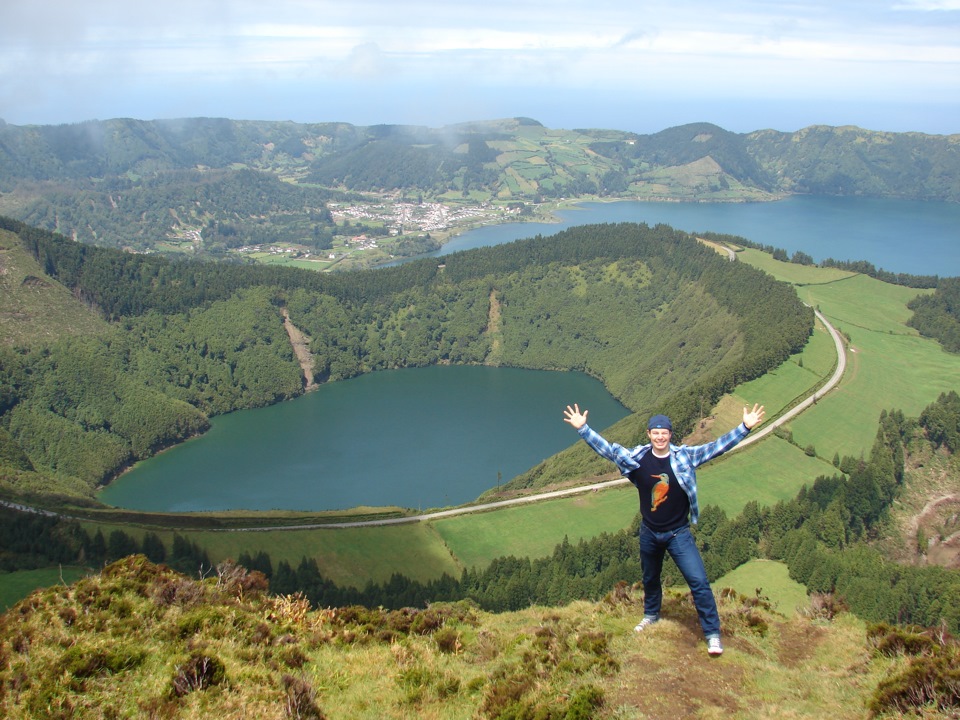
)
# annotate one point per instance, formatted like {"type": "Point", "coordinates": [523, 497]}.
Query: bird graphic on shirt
{"type": "Point", "coordinates": [659, 493]}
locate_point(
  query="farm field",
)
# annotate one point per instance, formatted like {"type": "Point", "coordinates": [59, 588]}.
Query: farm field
{"type": "Point", "coordinates": [773, 581]}
{"type": "Point", "coordinates": [16, 585]}
{"type": "Point", "coordinates": [343, 554]}
{"type": "Point", "coordinates": [890, 367]}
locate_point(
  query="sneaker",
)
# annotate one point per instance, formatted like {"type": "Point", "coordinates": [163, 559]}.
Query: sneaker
{"type": "Point", "coordinates": [645, 623]}
{"type": "Point", "coordinates": [714, 647]}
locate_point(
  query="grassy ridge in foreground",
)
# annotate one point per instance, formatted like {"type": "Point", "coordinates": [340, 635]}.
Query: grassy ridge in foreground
{"type": "Point", "coordinates": [138, 640]}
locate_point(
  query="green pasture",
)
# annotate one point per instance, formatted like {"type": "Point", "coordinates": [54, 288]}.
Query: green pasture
{"type": "Point", "coordinates": [534, 530]}
{"type": "Point", "coordinates": [863, 302]}
{"type": "Point", "coordinates": [889, 366]}
{"type": "Point", "coordinates": [765, 472]}
{"type": "Point", "coordinates": [514, 156]}
{"type": "Point", "coordinates": [885, 372]}
{"type": "Point", "coordinates": [348, 556]}
{"type": "Point", "coordinates": [377, 552]}
{"type": "Point", "coordinates": [514, 182]}
{"type": "Point", "coordinates": [792, 272]}
{"type": "Point", "coordinates": [17, 585]}
{"type": "Point", "coordinates": [773, 581]}
{"type": "Point", "coordinates": [307, 264]}
{"type": "Point", "coordinates": [792, 381]}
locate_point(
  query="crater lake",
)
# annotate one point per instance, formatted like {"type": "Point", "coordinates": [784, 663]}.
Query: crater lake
{"type": "Point", "coordinates": [434, 437]}
{"type": "Point", "coordinates": [416, 438]}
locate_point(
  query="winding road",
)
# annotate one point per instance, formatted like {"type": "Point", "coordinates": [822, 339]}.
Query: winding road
{"type": "Point", "coordinates": [753, 437]}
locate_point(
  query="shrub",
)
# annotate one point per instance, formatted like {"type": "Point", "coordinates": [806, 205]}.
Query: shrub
{"type": "Point", "coordinates": [583, 703]}
{"type": "Point", "coordinates": [197, 619]}
{"type": "Point", "coordinates": [427, 621]}
{"type": "Point", "coordinates": [504, 693]}
{"type": "Point", "coordinates": [932, 681]}
{"type": "Point", "coordinates": [890, 641]}
{"type": "Point", "coordinates": [179, 591]}
{"type": "Point", "coordinates": [620, 595]}
{"type": "Point", "coordinates": [198, 672]}
{"type": "Point", "coordinates": [448, 640]}
{"type": "Point", "coordinates": [301, 702]}
{"type": "Point", "coordinates": [237, 581]}
{"type": "Point", "coordinates": [85, 662]}
{"type": "Point", "coordinates": [826, 606]}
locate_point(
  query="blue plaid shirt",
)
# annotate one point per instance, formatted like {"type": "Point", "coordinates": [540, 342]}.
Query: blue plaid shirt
{"type": "Point", "coordinates": [683, 458]}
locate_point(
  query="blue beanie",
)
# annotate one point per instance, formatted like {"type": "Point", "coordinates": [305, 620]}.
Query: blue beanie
{"type": "Point", "coordinates": [660, 421]}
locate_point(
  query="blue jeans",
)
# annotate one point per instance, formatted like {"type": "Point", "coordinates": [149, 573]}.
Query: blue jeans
{"type": "Point", "coordinates": [683, 549]}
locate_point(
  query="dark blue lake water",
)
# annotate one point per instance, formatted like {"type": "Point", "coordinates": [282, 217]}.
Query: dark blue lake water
{"type": "Point", "coordinates": [418, 438]}
{"type": "Point", "coordinates": [902, 236]}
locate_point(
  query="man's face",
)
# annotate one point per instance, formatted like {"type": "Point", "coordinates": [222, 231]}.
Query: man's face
{"type": "Point", "coordinates": [660, 439]}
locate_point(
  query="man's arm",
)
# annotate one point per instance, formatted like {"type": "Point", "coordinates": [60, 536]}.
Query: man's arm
{"type": "Point", "coordinates": [751, 418]}
{"type": "Point", "coordinates": [611, 451]}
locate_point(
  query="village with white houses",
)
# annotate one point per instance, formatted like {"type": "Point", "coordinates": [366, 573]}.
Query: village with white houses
{"type": "Point", "coordinates": [405, 217]}
{"type": "Point", "coordinates": [398, 220]}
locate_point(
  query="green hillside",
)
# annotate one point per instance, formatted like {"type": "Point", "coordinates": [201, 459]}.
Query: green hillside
{"type": "Point", "coordinates": [301, 193]}
{"type": "Point", "coordinates": [35, 309]}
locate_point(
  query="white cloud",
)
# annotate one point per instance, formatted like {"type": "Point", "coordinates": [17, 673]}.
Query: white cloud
{"type": "Point", "coordinates": [928, 5]}
{"type": "Point", "coordinates": [71, 55]}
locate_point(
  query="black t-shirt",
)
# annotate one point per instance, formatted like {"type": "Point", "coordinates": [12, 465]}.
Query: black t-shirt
{"type": "Point", "coordinates": [664, 506]}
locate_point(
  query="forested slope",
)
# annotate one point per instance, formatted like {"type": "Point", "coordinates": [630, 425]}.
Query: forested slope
{"type": "Point", "coordinates": [662, 320]}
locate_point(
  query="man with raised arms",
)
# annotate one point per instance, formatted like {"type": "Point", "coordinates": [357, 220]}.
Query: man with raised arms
{"type": "Point", "coordinates": [664, 475]}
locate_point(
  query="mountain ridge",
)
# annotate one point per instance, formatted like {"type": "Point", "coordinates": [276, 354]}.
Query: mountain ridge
{"type": "Point", "coordinates": [134, 183]}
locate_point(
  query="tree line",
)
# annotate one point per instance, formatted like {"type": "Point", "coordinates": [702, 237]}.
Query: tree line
{"type": "Point", "coordinates": [938, 315]}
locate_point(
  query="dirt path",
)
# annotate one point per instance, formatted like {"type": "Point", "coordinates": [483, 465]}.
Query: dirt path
{"type": "Point", "coordinates": [932, 504]}
{"type": "Point", "coordinates": [301, 348]}
{"type": "Point", "coordinates": [493, 329]}
{"type": "Point", "coordinates": [942, 552]}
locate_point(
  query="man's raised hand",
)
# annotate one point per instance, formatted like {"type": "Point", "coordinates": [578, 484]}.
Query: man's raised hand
{"type": "Point", "coordinates": [752, 418]}
{"type": "Point", "coordinates": [573, 416]}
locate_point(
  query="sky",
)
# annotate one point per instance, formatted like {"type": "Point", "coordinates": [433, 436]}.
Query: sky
{"type": "Point", "coordinates": [635, 65]}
